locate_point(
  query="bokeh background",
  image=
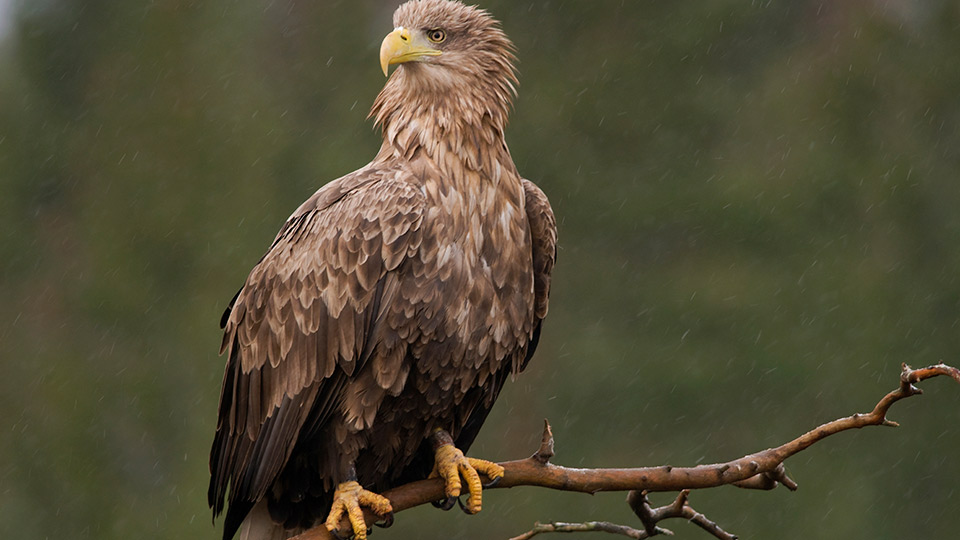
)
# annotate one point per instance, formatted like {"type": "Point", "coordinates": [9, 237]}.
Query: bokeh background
{"type": "Point", "coordinates": [758, 206]}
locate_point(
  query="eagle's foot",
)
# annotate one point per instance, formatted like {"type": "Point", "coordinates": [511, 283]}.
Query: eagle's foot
{"type": "Point", "coordinates": [450, 464]}
{"type": "Point", "coordinates": [349, 499]}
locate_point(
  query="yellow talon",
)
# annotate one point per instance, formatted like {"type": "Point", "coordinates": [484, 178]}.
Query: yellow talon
{"type": "Point", "coordinates": [450, 464]}
{"type": "Point", "coordinates": [349, 499]}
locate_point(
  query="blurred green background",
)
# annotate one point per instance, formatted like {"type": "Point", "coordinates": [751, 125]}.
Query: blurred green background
{"type": "Point", "coordinates": [758, 224]}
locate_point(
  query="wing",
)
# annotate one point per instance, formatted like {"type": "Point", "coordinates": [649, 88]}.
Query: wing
{"type": "Point", "coordinates": [543, 234]}
{"type": "Point", "coordinates": [299, 328]}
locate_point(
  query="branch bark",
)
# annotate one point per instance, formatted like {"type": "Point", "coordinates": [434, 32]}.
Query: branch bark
{"type": "Point", "coordinates": [761, 470]}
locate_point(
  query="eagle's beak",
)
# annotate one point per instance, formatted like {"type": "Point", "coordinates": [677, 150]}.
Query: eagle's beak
{"type": "Point", "coordinates": [401, 46]}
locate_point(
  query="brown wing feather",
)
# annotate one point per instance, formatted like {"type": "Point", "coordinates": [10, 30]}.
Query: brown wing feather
{"type": "Point", "coordinates": [543, 234]}
{"type": "Point", "coordinates": [298, 328]}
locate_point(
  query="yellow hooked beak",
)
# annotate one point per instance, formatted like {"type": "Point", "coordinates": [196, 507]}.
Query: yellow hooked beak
{"type": "Point", "coordinates": [402, 45]}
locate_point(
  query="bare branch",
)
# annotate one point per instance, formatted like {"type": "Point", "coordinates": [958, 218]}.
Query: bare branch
{"type": "Point", "coordinates": [545, 452]}
{"type": "Point", "coordinates": [762, 470]}
{"type": "Point", "coordinates": [590, 526]}
{"type": "Point", "coordinates": [680, 508]}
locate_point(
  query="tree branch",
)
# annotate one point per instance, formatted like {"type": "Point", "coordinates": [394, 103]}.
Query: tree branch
{"type": "Point", "coordinates": [649, 516]}
{"type": "Point", "coordinates": [589, 526]}
{"type": "Point", "coordinates": [761, 470]}
{"type": "Point", "coordinates": [680, 508]}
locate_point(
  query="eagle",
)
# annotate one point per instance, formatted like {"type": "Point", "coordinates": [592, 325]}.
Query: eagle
{"type": "Point", "coordinates": [368, 345]}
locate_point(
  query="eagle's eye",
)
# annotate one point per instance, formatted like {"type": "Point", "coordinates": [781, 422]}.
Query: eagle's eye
{"type": "Point", "coordinates": [436, 35]}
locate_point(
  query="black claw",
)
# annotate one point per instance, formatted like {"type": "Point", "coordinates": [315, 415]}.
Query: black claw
{"type": "Point", "coordinates": [387, 521]}
{"type": "Point", "coordinates": [463, 507]}
{"type": "Point", "coordinates": [445, 504]}
{"type": "Point", "coordinates": [336, 534]}
{"type": "Point", "coordinates": [493, 482]}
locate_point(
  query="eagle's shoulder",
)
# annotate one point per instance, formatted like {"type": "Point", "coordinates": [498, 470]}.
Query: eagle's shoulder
{"type": "Point", "coordinates": [335, 248]}
{"type": "Point", "coordinates": [374, 191]}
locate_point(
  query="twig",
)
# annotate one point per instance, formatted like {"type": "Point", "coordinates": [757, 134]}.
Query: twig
{"type": "Point", "coordinates": [680, 508]}
{"type": "Point", "coordinates": [762, 470]}
{"type": "Point", "coordinates": [649, 516]}
{"type": "Point", "coordinates": [545, 453]}
{"type": "Point", "coordinates": [590, 526]}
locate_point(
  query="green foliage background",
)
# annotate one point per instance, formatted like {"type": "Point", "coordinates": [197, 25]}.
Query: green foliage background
{"type": "Point", "coordinates": [758, 222]}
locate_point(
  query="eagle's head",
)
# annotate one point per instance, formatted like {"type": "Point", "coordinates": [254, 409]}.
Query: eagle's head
{"type": "Point", "coordinates": [452, 59]}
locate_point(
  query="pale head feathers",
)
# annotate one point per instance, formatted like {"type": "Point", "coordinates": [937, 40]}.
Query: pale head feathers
{"type": "Point", "coordinates": [471, 84]}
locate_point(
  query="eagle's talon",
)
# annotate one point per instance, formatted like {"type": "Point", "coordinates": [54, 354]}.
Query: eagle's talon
{"type": "Point", "coordinates": [348, 500]}
{"type": "Point", "coordinates": [451, 465]}
{"type": "Point", "coordinates": [336, 534]}
{"type": "Point", "coordinates": [466, 508]}
{"type": "Point", "coordinates": [387, 521]}
{"type": "Point", "coordinates": [445, 504]}
{"type": "Point", "coordinates": [492, 483]}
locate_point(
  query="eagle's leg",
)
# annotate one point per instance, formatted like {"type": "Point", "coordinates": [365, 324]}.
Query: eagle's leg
{"type": "Point", "coordinates": [450, 464]}
{"type": "Point", "coordinates": [350, 498]}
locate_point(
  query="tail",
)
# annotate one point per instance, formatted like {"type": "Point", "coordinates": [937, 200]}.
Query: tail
{"type": "Point", "coordinates": [258, 525]}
